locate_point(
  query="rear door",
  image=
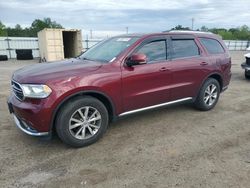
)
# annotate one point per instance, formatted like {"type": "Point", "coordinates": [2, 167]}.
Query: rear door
{"type": "Point", "coordinates": [148, 84]}
{"type": "Point", "coordinates": [218, 56]}
{"type": "Point", "coordinates": [189, 65]}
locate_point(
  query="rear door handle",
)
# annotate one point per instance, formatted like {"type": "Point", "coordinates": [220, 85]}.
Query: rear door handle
{"type": "Point", "coordinates": [203, 63]}
{"type": "Point", "coordinates": [163, 69]}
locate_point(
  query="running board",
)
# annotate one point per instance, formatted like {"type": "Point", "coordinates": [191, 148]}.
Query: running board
{"type": "Point", "coordinates": [156, 106]}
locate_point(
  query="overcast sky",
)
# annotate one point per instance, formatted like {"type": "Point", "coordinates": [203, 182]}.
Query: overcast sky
{"type": "Point", "coordinates": [138, 16]}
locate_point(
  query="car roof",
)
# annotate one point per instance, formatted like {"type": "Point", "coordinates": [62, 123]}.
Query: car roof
{"type": "Point", "coordinates": [175, 32]}
{"type": "Point", "coordinates": [194, 33]}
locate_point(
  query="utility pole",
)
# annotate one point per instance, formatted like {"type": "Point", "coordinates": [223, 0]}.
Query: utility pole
{"type": "Point", "coordinates": [126, 30]}
{"type": "Point", "coordinates": [91, 34]}
{"type": "Point", "coordinates": [87, 42]}
{"type": "Point", "coordinates": [192, 23]}
{"type": "Point", "coordinates": [8, 44]}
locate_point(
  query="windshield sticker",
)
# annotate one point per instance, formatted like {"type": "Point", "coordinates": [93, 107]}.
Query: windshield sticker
{"type": "Point", "coordinates": [123, 39]}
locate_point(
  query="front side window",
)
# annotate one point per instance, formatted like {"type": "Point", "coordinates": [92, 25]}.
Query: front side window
{"type": "Point", "coordinates": [184, 48]}
{"type": "Point", "coordinates": [155, 51]}
{"type": "Point", "coordinates": [212, 46]}
{"type": "Point", "coordinates": [108, 49]}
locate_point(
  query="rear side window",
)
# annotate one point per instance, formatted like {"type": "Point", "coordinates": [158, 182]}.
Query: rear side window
{"type": "Point", "coordinates": [212, 46]}
{"type": "Point", "coordinates": [155, 51]}
{"type": "Point", "coordinates": [184, 48]}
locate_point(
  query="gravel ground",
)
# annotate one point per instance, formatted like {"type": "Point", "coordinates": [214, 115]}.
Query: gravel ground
{"type": "Point", "coordinates": [170, 147]}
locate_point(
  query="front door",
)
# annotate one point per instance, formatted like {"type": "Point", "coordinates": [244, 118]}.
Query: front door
{"type": "Point", "coordinates": [147, 84]}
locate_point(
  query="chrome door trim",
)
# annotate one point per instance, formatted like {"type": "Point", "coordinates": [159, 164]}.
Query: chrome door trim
{"type": "Point", "coordinates": [155, 106]}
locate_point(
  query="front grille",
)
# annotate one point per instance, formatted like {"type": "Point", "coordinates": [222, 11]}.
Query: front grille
{"type": "Point", "coordinates": [17, 90]}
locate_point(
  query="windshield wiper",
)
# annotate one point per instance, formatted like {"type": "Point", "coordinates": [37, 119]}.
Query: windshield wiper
{"type": "Point", "coordinates": [84, 58]}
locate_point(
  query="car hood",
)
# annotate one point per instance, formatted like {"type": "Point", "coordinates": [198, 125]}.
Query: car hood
{"type": "Point", "coordinates": [43, 72]}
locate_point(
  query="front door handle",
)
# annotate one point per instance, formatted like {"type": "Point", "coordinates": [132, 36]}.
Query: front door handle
{"type": "Point", "coordinates": [203, 63]}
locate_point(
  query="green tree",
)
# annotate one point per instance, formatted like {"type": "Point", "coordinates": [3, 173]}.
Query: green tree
{"type": "Point", "coordinates": [17, 31]}
{"type": "Point", "coordinates": [240, 33]}
{"type": "Point", "coordinates": [233, 30]}
{"type": "Point", "coordinates": [18, 27]}
{"type": "Point", "coordinates": [180, 27]}
{"type": "Point", "coordinates": [226, 35]}
{"type": "Point", "coordinates": [3, 31]}
{"type": "Point", "coordinates": [204, 29]}
{"type": "Point", "coordinates": [31, 31]}
{"type": "Point", "coordinates": [243, 33]}
{"type": "Point", "coordinates": [38, 25]}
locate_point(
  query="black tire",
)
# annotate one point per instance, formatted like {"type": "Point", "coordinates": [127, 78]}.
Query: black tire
{"type": "Point", "coordinates": [68, 110]}
{"type": "Point", "coordinates": [3, 57]}
{"type": "Point", "coordinates": [247, 74]}
{"type": "Point", "coordinates": [24, 54]}
{"type": "Point", "coordinates": [200, 100]}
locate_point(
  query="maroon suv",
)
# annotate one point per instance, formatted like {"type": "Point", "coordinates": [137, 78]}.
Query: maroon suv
{"type": "Point", "coordinates": [119, 76]}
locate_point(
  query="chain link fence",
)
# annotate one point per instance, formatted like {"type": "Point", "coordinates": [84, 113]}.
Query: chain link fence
{"type": "Point", "coordinates": [237, 44]}
{"type": "Point", "coordinates": [8, 45]}
{"type": "Point", "coordinates": [88, 43]}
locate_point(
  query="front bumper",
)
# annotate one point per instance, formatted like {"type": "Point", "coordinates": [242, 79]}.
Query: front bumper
{"type": "Point", "coordinates": [245, 66]}
{"type": "Point", "coordinates": [26, 120]}
{"type": "Point", "coordinates": [23, 126]}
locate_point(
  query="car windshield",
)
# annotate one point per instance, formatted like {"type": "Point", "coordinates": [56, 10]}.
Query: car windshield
{"type": "Point", "coordinates": [109, 49]}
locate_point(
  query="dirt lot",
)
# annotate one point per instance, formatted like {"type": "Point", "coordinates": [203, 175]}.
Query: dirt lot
{"type": "Point", "coordinates": [169, 147]}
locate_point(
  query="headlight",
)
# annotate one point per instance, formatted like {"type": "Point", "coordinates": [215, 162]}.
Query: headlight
{"type": "Point", "coordinates": [35, 91]}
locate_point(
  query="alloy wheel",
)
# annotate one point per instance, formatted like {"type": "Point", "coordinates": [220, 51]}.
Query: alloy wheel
{"type": "Point", "coordinates": [210, 95]}
{"type": "Point", "coordinates": [85, 122]}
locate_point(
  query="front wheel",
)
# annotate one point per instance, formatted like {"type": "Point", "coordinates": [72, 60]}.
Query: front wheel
{"type": "Point", "coordinates": [208, 95]}
{"type": "Point", "coordinates": [82, 121]}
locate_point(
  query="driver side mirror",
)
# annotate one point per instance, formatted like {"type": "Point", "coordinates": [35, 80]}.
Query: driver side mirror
{"type": "Point", "coordinates": [136, 59]}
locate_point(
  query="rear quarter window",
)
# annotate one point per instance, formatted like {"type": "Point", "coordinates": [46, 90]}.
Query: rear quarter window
{"type": "Point", "coordinates": [213, 46]}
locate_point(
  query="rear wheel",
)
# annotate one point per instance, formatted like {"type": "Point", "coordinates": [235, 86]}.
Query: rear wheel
{"type": "Point", "coordinates": [82, 121]}
{"type": "Point", "coordinates": [208, 95]}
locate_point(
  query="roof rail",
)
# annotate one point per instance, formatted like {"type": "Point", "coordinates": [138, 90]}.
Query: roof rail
{"type": "Point", "coordinates": [188, 31]}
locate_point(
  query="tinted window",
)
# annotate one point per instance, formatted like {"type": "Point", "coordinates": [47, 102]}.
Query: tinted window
{"type": "Point", "coordinates": [154, 51]}
{"type": "Point", "coordinates": [184, 48]}
{"type": "Point", "coordinates": [212, 46]}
